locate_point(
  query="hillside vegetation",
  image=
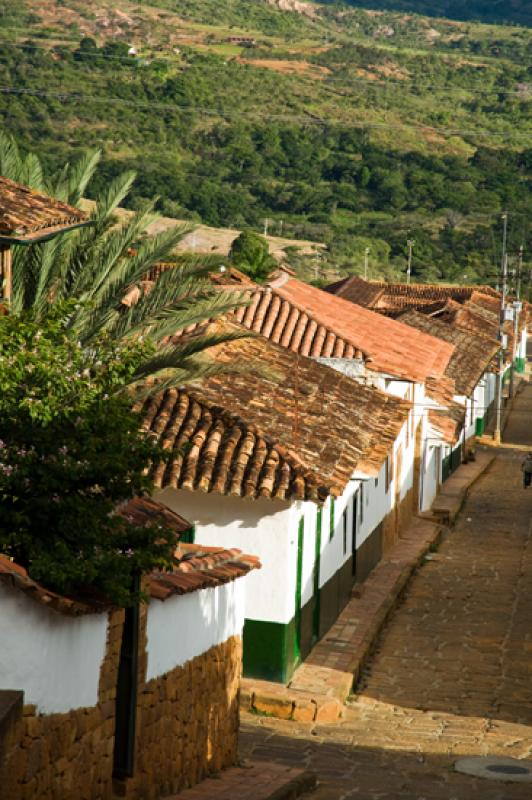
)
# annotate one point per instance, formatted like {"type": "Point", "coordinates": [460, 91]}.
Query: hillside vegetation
{"type": "Point", "coordinates": [337, 124]}
{"type": "Point", "coordinates": [517, 12]}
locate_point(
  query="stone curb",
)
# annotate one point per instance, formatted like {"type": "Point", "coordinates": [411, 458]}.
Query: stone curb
{"type": "Point", "coordinates": [304, 783]}
{"type": "Point", "coordinates": [448, 504]}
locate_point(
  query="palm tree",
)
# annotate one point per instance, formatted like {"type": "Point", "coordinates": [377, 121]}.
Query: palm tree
{"type": "Point", "coordinates": [97, 266]}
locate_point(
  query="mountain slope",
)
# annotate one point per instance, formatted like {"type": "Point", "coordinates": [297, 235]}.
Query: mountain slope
{"type": "Point", "coordinates": [357, 129]}
{"type": "Point", "coordinates": [515, 12]}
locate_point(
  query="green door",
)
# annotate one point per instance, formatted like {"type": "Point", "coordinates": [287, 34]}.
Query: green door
{"type": "Point", "coordinates": [299, 582]}
{"type": "Point", "coordinates": [316, 581]}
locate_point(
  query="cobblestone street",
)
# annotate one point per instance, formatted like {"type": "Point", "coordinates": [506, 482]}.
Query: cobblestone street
{"type": "Point", "coordinates": [452, 673]}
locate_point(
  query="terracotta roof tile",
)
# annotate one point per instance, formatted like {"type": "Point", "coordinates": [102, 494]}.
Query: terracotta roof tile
{"type": "Point", "coordinates": [472, 356]}
{"type": "Point", "coordinates": [144, 511]}
{"type": "Point", "coordinates": [380, 294]}
{"type": "Point", "coordinates": [201, 567]}
{"type": "Point", "coordinates": [140, 511]}
{"type": "Point", "coordinates": [292, 428]}
{"type": "Point", "coordinates": [16, 576]}
{"type": "Point", "coordinates": [26, 214]}
{"type": "Point", "coordinates": [286, 323]}
{"type": "Point", "coordinates": [394, 348]}
{"type": "Point", "coordinates": [357, 290]}
{"type": "Point", "coordinates": [197, 568]}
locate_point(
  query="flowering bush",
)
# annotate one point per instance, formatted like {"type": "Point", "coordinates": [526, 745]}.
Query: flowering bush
{"type": "Point", "coordinates": [71, 451]}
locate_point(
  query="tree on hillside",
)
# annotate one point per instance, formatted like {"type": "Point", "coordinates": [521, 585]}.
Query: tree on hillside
{"type": "Point", "coordinates": [98, 266]}
{"type": "Point", "coordinates": [71, 450]}
{"type": "Point", "coordinates": [250, 253]}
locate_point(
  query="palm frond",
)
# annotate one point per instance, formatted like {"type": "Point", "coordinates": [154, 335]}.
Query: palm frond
{"type": "Point", "coordinates": [11, 162]}
{"type": "Point", "coordinates": [32, 172]}
{"type": "Point", "coordinates": [81, 174]}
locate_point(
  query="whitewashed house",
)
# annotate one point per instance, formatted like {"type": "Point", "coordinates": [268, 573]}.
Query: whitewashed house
{"type": "Point", "coordinates": [292, 461]}
{"type": "Point", "coordinates": [374, 350]}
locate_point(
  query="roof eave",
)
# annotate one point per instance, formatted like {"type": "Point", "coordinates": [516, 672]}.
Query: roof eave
{"type": "Point", "coordinates": [42, 235]}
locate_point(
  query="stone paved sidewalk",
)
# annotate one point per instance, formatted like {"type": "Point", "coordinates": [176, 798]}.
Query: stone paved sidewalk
{"type": "Point", "coordinates": [321, 685]}
{"type": "Point", "coordinates": [253, 781]}
{"type": "Point", "coordinates": [451, 674]}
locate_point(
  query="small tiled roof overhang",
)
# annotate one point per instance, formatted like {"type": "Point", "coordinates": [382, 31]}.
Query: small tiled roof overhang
{"type": "Point", "coordinates": [473, 353]}
{"type": "Point", "coordinates": [448, 423]}
{"type": "Point", "coordinates": [140, 511]}
{"type": "Point", "coordinates": [288, 428]}
{"type": "Point", "coordinates": [394, 348]}
{"type": "Point", "coordinates": [27, 216]}
{"type": "Point", "coordinates": [201, 567]}
{"type": "Point", "coordinates": [145, 512]}
{"type": "Point", "coordinates": [16, 576]}
{"type": "Point", "coordinates": [197, 568]}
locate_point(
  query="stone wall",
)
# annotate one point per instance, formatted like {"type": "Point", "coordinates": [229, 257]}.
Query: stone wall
{"type": "Point", "coordinates": [187, 726]}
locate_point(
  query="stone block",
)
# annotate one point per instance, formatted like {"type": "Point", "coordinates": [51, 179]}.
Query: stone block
{"type": "Point", "coordinates": [274, 706]}
{"type": "Point", "coordinates": [329, 711]}
{"type": "Point", "coordinates": [304, 711]}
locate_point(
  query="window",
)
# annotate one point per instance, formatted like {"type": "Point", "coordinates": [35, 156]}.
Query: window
{"type": "Point", "coordinates": [361, 504]}
{"type": "Point", "coordinates": [331, 520]}
{"type": "Point", "coordinates": [376, 482]}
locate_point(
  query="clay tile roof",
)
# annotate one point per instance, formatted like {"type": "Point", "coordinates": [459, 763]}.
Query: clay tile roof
{"type": "Point", "coordinates": [143, 511]}
{"type": "Point", "coordinates": [474, 318]}
{"type": "Point", "coordinates": [394, 348]}
{"type": "Point", "coordinates": [16, 576]}
{"type": "Point", "coordinates": [357, 290]}
{"type": "Point", "coordinates": [198, 568]}
{"type": "Point", "coordinates": [390, 297]}
{"type": "Point", "coordinates": [472, 354]}
{"type": "Point", "coordinates": [201, 567]}
{"type": "Point", "coordinates": [287, 323]}
{"type": "Point", "coordinates": [140, 511]}
{"type": "Point", "coordinates": [28, 215]}
{"type": "Point", "coordinates": [448, 423]}
{"type": "Point", "coordinates": [288, 428]}
{"type": "Point", "coordinates": [449, 419]}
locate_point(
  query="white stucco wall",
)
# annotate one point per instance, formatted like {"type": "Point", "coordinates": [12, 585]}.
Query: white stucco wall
{"type": "Point", "coordinates": [185, 626]}
{"type": "Point", "coordinates": [55, 659]}
{"type": "Point", "coordinates": [264, 528]}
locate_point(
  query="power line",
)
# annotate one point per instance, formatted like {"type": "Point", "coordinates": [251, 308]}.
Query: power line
{"type": "Point", "coordinates": [307, 119]}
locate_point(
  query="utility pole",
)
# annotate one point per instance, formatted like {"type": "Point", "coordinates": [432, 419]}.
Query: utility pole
{"type": "Point", "coordinates": [366, 258]}
{"type": "Point", "coordinates": [410, 243]}
{"type": "Point", "coordinates": [500, 376]}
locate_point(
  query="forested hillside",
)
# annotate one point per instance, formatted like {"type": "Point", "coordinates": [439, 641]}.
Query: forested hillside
{"type": "Point", "coordinates": [356, 129]}
{"type": "Point", "coordinates": [510, 11]}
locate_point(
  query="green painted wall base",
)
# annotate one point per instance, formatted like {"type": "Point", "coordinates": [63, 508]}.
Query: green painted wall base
{"type": "Point", "coordinates": [269, 650]}
{"type": "Point", "coordinates": [520, 364]}
{"type": "Point", "coordinates": [480, 426]}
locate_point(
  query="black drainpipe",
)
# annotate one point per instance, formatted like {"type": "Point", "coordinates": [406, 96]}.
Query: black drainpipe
{"type": "Point", "coordinates": [126, 692]}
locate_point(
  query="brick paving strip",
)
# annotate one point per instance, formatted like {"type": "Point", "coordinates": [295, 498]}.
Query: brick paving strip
{"type": "Point", "coordinates": [254, 781]}
{"type": "Point", "coordinates": [322, 684]}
